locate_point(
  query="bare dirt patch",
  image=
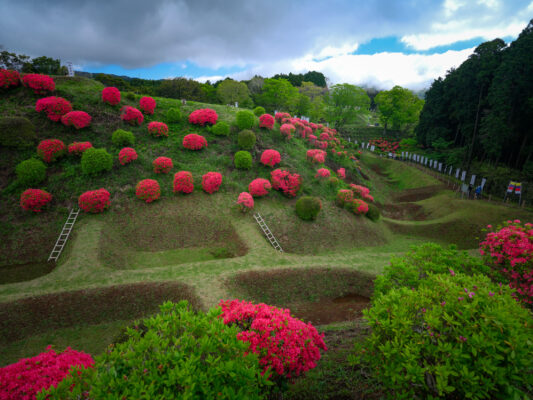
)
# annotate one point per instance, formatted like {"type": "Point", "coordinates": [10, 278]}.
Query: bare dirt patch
{"type": "Point", "coordinates": [404, 211]}
{"type": "Point", "coordinates": [24, 272]}
{"type": "Point", "coordinates": [418, 194]}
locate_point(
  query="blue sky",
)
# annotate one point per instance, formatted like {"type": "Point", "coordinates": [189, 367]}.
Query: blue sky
{"type": "Point", "coordinates": [375, 43]}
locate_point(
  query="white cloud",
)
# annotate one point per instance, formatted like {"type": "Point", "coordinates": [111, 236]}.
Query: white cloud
{"type": "Point", "coordinates": [212, 78]}
{"type": "Point", "coordinates": [331, 51]}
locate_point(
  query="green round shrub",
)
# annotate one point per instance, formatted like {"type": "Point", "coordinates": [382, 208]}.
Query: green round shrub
{"type": "Point", "coordinates": [246, 139]}
{"type": "Point", "coordinates": [373, 213]}
{"type": "Point", "coordinates": [31, 172]}
{"type": "Point", "coordinates": [333, 181]}
{"type": "Point", "coordinates": [258, 111]}
{"type": "Point", "coordinates": [95, 161]}
{"type": "Point", "coordinates": [308, 207]}
{"type": "Point", "coordinates": [245, 119]}
{"type": "Point", "coordinates": [173, 115]}
{"type": "Point", "coordinates": [243, 160]}
{"type": "Point", "coordinates": [130, 96]}
{"type": "Point", "coordinates": [121, 138]}
{"type": "Point", "coordinates": [221, 128]}
{"type": "Point", "coordinates": [17, 132]}
{"type": "Point", "coordinates": [457, 337]}
{"type": "Point", "coordinates": [176, 354]}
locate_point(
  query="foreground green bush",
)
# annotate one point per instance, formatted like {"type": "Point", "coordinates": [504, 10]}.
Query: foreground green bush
{"type": "Point", "coordinates": [17, 132]}
{"type": "Point", "coordinates": [95, 161]}
{"type": "Point", "coordinates": [246, 139]}
{"type": "Point", "coordinates": [307, 207]}
{"type": "Point", "coordinates": [173, 115]}
{"type": "Point", "coordinates": [258, 111]}
{"type": "Point", "coordinates": [456, 337]}
{"type": "Point", "coordinates": [31, 172]}
{"type": "Point", "coordinates": [178, 354]}
{"type": "Point", "coordinates": [414, 266]}
{"type": "Point", "coordinates": [245, 119]}
{"type": "Point", "coordinates": [122, 138]}
{"type": "Point", "coordinates": [243, 160]}
{"type": "Point", "coordinates": [373, 213]}
{"type": "Point", "coordinates": [221, 128]}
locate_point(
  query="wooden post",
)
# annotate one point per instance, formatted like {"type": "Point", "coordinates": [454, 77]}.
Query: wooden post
{"type": "Point", "coordinates": [523, 204]}
{"type": "Point", "coordinates": [490, 197]}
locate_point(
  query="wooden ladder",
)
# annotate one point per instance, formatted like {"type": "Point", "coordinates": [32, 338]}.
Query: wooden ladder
{"type": "Point", "coordinates": [65, 233]}
{"type": "Point", "coordinates": [267, 232]}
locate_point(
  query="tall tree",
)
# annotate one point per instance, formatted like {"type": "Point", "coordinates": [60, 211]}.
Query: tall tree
{"type": "Point", "coordinates": [230, 91]}
{"type": "Point", "coordinates": [344, 103]}
{"type": "Point", "coordinates": [398, 107]}
{"type": "Point", "coordinates": [278, 94]}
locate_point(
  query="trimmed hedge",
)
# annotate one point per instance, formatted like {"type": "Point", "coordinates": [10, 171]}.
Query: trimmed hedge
{"type": "Point", "coordinates": [31, 172]}
{"type": "Point", "coordinates": [243, 160]}
{"type": "Point", "coordinates": [245, 119]}
{"type": "Point", "coordinates": [17, 132]}
{"type": "Point", "coordinates": [122, 138]}
{"type": "Point", "coordinates": [95, 161]}
{"type": "Point", "coordinates": [246, 139]}
{"type": "Point", "coordinates": [308, 207]}
{"type": "Point", "coordinates": [221, 128]}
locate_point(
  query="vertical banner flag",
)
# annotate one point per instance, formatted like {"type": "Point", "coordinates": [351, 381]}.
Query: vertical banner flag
{"type": "Point", "coordinates": [402, 154]}
{"type": "Point", "coordinates": [463, 176]}
{"type": "Point", "coordinates": [483, 181]}
{"type": "Point", "coordinates": [473, 180]}
{"type": "Point", "coordinates": [440, 167]}
{"type": "Point", "coordinates": [430, 163]}
{"type": "Point", "coordinates": [457, 174]}
{"type": "Point", "coordinates": [518, 188]}
{"type": "Point", "coordinates": [372, 148]}
{"type": "Point", "coordinates": [426, 161]}
{"type": "Point", "coordinates": [510, 188]}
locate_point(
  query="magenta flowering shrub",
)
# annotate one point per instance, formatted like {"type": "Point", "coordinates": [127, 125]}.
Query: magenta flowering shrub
{"type": "Point", "coordinates": [266, 121]}
{"type": "Point", "coordinates": [313, 126]}
{"type": "Point", "coordinates": [324, 136]}
{"type": "Point", "coordinates": [77, 148]}
{"type": "Point", "coordinates": [77, 119]}
{"type": "Point", "coordinates": [158, 129]}
{"type": "Point", "coordinates": [203, 116]}
{"type": "Point", "coordinates": [287, 130]}
{"type": "Point", "coordinates": [362, 192]}
{"type": "Point", "coordinates": [259, 187]}
{"type": "Point", "coordinates": [162, 165]}
{"type": "Point", "coordinates": [316, 156]}
{"type": "Point", "coordinates": [94, 201]}
{"type": "Point", "coordinates": [508, 250]}
{"type": "Point", "coordinates": [147, 105]}
{"type": "Point", "coordinates": [9, 78]}
{"type": "Point", "coordinates": [289, 184]}
{"type": "Point", "coordinates": [322, 144]}
{"type": "Point", "coordinates": [148, 190]}
{"type": "Point", "coordinates": [280, 116]}
{"type": "Point", "coordinates": [34, 199]}
{"type": "Point", "coordinates": [306, 132]}
{"type": "Point", "coordinates": [359, 207]}
{"type": "Point", "coordinates": [270, 158]}
{"type": "Point", "coordinates": [127, 155]}
{"type": "Point", "coordinates": [131, 115]}
{"type": "Point", "coordinates": [39, 83]}
{"type": "Point", "coordinates": [344, 197]}
{"type": "Point", "coordinates": [246, 201]}
{"type": "Point", "coordinates": [211, 182]}
{"type": "Point", "coordinates": [51, 149]}
{"type": "Point", "coordinates": [27, 377]}
{"type": "Point", "coordinates": [323, 173]}
{"type": "Point", "coordinates": [111, 95]}
{"type": "Point", "coordinates": [55, 107]}
{"type": "Point", "coordinates": [341, 173]}
{"type": "Point", "coordinates": [193, 141]}
{"type": "Point", "coordinates": [287, 347]}
{"type": "Point", "coordinates": [183, 182]}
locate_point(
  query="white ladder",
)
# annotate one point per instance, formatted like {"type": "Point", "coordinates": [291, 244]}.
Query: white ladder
{"type": "Point", "coordinates": [65, 233]}
{"type": "Point", "coordinates": [267, 232]}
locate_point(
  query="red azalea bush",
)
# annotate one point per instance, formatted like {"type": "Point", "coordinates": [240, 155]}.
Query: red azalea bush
{"type": "Point", "coordinates": [158, 129]}
{"type": "Point", "coordinates": [203, 116]}
{"type": "Point", "coordinates": [9, 78]}
{"type": "Point", "coordinates": [193, 141]}
{"type": "Point", "coordinates": [51, 149]}
{"type": "Point", "coordinates": [259, 187]}
{"type": "Point", "coordinates": [306, 132]}
{"type": "Point", "coordinates": [55, 107]}
{"type": "Point", "coordinates": [77, 148]}
{"type": "Point", "coordinates": [286, 182]}
{"type": "Point", "coordinates": [341, 172]}
{"type": "Point", "coordinates": [27, 377]}
{"type": "Point", "coordinates": [127, 155]}
{"type": "Point", "coordinates": [111, 95]}
{"type": "Point", "coordinates": [509, 252]}
{"type": "Point", "coordinates": [34, 199]}
{"type": "Point", "coordinates": [316, 156]}
{"type": "Point", "coordinates": [384, 145]}
{"type": "Point", "coordinates": [270, 157]}
{"type": "Point", "coordinates": [211, 182]}
{"type": "Point", "coordinates": [324, 136]}
{"type": "Point", "coordinates": [148, 190]}
{"type": "Point", "coordinates": [280, 116]}
{"type": "Point", "coordinates": [323, 173]}
{"type": "Point", "coordinates": [78, 119]}
{"type": "Point", "coordinates": [246, 201]}
{"type": "Point", "coordinates": [360, 191]}
{"type": "Point", "coordinates": [344, 196]}
{"type": "Point", "coordinates": [162, 165]}
{"type": "Point", "coordinates": [359, 207]}
{"type": "Point", "coordinates": [131, 115]}
{"type": "Point", "coordinates": [287, 130]}
{"type": "Point", "coordinates": [147, 105]}
{"type": "Point", "coordinates": [94, 201]}
{"type": "Point", "coordinates": [183, 182]}
{"type": "Point", "coordinates": [266, 121]}
{"type": "Point", "coordinates": [286, 346]}
{"type": "Point", "coordinates": [39, 83]}
{"type": "Point", "coordinates": [322, 144]}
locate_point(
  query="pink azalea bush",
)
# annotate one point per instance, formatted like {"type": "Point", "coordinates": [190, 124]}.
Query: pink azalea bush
{"type": "Point", "coordinates": [162, 165]}
{"type": "Point", "coordinates": [359, 207]}
{"type": "Point", "coordinates": [77, 119]}
{"type": "Point", "coordinates": [211, 182]}
{"type": "Point", "coordinates": [39, 83]}
{"type": "Point", "coordinates": [287, 130]}
{"type": "Point", "coordinates": [270, 158]}
{"type": "Point", "coordinates": [183, 182]}
{"type": "Point", "coordinates": [77, 148]}
{"type": "Point", "coordinates": [266, 121]}
{"type": "Point", "coordinates": [148, 190]}
{"type": "Point", "coordinates": [54, 107]}
{"type": "Point", "coordinates": [51, 149]}
{"type": "Point", "coordinates": [9, 78]}
{"type": "Point", "coordinates": [362, 192]}
{"type": "Point", "coordinates": [316, 156]}
{"type": "Point", "coordinates": [127, 155]}
{"type": "Point", "coordinates": [27, 377]}
{"type": "Point", "coordinates": [289, 184]}
{"type": "Point", "coordinates": [259, 187]}
{"type": "Point", "coordinates": [94, 201]}
{"type": "Point", "coordinates": [158, 129]}
{"type": "Point", "coordinates": [147, 105]}
{"type": "Point", "coordinates": [280, 116]}
{"type": "Point", "coordinates": [323, 173]}
{"type": "Point", "coordinates": [344, 197]}
{"type": "Point", "coordinates": [341, 173]}
{"type": "Point", "coordinates": [34, 199]}
{"type": "Point", "coordinates": [111, 95]}
{"type": "Point", "coordinates": [287, 347]}
{"type": "Point", "coordinates": [193, 141]}
{"type": "Point", "coordinates": [131, 115]}
{"type": "Point", "coordinates": [203, 116]}
{"type": "Point", "coordinates": [509, 252]}
{"type": "Point", "coordinates": [246, 201]}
